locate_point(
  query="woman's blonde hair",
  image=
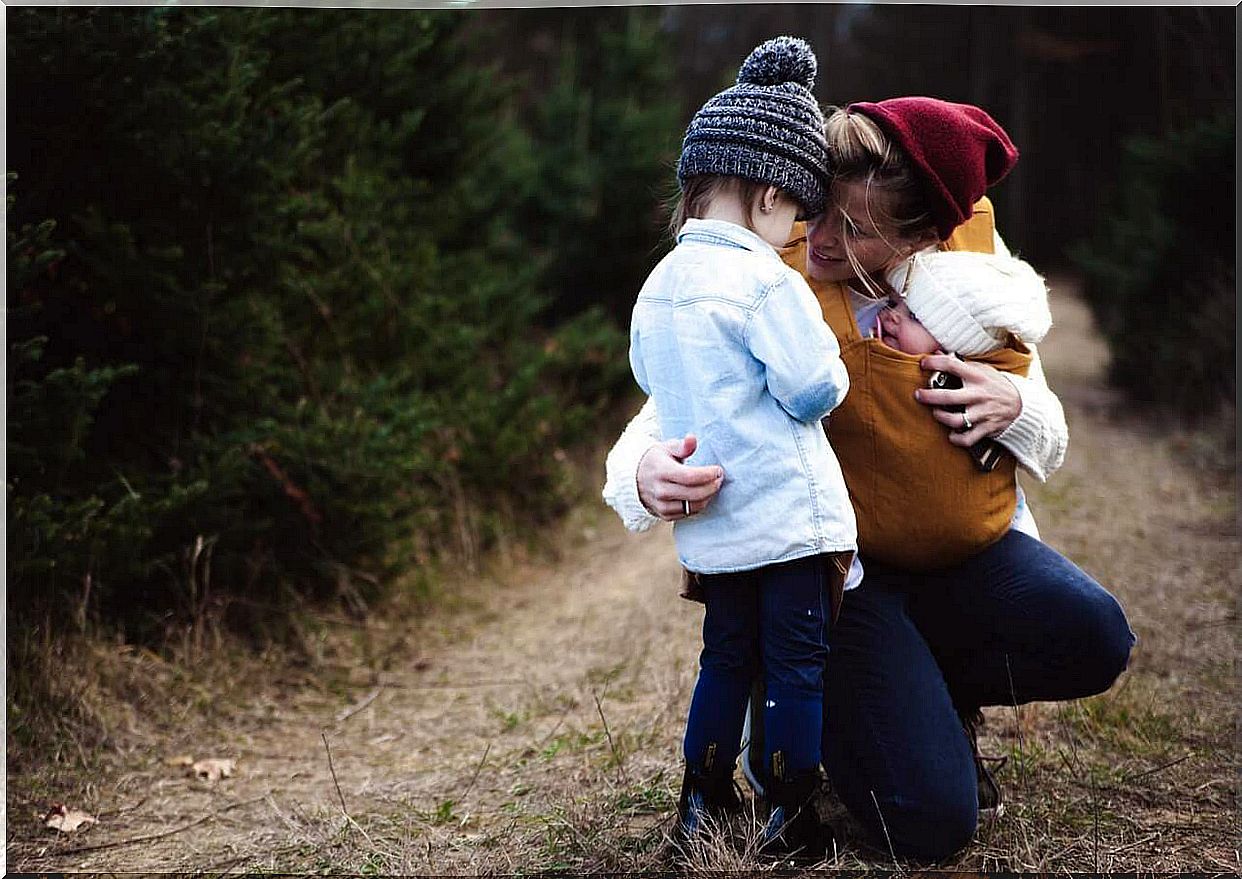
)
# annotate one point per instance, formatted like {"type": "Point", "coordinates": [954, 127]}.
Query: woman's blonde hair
{"type": "Point", "coordinates": [859, 152]}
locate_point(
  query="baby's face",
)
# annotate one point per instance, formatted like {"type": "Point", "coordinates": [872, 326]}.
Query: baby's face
{"type": "Point", "coordinates": [900, 329]}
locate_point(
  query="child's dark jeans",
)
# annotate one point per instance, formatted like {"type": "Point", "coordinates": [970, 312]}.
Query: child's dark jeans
{"type": "Point", "coordinates": [773, 618]}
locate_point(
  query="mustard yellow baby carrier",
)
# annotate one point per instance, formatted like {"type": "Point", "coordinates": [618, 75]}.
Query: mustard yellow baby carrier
{"type": "Point", "coordinates": [920, 502]}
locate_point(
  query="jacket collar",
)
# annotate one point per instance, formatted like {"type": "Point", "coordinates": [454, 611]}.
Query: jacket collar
{"type": "Point", "coordinates": [725, 233]}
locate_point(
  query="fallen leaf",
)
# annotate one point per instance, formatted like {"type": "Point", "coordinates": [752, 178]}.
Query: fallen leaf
{"type": "Point", "coordinates": [213, 769]}
{"type": "Point", "coordinates": [61, 817]}
{"type": "Point", "coordinates": [180, 761]}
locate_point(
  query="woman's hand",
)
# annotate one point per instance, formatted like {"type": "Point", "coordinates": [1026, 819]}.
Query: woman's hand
{"type": "Point", "coordinates": [664, 482]}
{"type": "Point", "coordinates": [992, 402]}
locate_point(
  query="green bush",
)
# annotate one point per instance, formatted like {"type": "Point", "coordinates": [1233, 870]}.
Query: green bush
{"type": "Point", "coordinates": [604, 135]}
{"type": "Point", "coordinates": [287, 337]}
{"type": "Point", "coordinates": [1160, 274]}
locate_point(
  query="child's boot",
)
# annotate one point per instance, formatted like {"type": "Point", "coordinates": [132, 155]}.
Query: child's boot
{"type": "Point", "coordinates": [793, 827]}
{"type": "Point", "coordinates": [706, 798]}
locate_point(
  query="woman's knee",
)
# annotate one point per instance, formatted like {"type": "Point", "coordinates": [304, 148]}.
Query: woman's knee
{"type": "Point", "coordinates": [1106, 643]}
{"type": "Point", "coordinates": [930, 829]}
{"type": "Point", "coordinates": [1113, 652]}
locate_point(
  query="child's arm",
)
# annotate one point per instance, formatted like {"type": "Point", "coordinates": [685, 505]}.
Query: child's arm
{"type": "Point", "coordinates": [788, 335]}
{"type": "Point", "coordinates": [636, 361]}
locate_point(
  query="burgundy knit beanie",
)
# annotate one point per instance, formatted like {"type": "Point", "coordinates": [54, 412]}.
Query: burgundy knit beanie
{"type": "Point", "coordinates": [958, 151]}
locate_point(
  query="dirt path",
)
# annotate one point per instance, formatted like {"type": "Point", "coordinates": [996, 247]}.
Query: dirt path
{"type": "Point", "coordinates": [537, 725]}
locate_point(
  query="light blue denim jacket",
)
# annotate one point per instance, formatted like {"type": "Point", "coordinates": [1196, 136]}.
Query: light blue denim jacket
{"type": "Point", "coordinates": [731, 344]}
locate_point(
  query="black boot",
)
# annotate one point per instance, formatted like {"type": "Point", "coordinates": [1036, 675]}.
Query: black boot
{"type": "Point", "coordinates": [706, 796]}
{"type": "Point", "coordinates": [793, 827]}
{"type": "Point", "coordinates": [991, 803]}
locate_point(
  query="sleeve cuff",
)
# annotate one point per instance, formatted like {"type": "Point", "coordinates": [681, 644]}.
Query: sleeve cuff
{"type": "Point", "coordinates": [620, 482]}
{"type": "Point", "coordinates": [1025, 437]}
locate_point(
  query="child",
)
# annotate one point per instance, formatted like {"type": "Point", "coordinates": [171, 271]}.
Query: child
{"type": "Point", "coordinates": [731, 345]}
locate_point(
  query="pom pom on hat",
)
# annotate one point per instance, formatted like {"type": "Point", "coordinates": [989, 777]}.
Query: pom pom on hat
{"type": "Point", "coordinates": [780, 59]}
{"type": "Point", "coordinates": [768, 127]}
{"type": "Point", "coordinates": [970, 302]}
{"type": "Point", "coordinates": [957, 150]}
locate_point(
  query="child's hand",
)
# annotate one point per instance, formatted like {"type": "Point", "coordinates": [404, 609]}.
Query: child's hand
{"type": "Point", "coordinates": [666, 485]}
{"type": "Point", "coordinates": [991, 401]}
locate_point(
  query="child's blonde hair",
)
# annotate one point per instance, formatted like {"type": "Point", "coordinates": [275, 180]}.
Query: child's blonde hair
{"type": "Point", "coordinates": [698, 192]}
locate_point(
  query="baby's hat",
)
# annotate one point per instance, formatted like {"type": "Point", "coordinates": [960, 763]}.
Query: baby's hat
{"type": "Point", "coordinates": [969, 302]}
{"type": "Point", "coordinates": [767, 127]}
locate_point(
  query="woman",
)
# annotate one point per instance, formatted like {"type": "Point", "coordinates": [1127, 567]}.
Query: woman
{"type": "Point", "coordinates": [913, 656]}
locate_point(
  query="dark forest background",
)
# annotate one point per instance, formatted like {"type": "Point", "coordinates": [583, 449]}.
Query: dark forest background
{"type": "Point", "coordinates": [304, 300]}
{"type": "Point", "coordinates": [1070, 84]}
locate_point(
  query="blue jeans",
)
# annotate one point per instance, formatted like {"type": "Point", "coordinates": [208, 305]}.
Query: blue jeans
{"type": "Point", "coordinates": [1016, 623]}
{"type": "Point", "coordinates": [772, 619]}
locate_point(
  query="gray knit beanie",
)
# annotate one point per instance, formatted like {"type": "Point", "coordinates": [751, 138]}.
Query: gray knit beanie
{"type": "Point", "coordinates": [767, 128]}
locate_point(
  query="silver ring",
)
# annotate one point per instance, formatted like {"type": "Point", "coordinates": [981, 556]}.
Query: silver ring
{"type": "Point", "coordinates": [966, 425]}
{"type": "Point", "coordinates": [685, 508]}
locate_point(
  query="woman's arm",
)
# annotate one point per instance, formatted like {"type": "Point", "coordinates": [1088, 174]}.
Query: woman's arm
{"type": "Point", "coordinates": [1038, 437]}
{"type": "Point", "coordinates": [1023, 414]}
{"type": "Point", "coordinates": [645, 479]}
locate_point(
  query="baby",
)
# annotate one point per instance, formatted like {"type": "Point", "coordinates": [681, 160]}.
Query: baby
{"type": "Point", "coordinates": [928, 505]}
{"type": "Point", "coordinates": [963, 303]}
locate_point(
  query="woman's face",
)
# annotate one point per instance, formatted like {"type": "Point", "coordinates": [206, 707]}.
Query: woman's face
{"type": "Point", "coordinates": [846, 220]}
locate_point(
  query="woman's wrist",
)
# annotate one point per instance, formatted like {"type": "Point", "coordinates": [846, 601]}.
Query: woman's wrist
{"type": "Point", "coordinates": [1012, 402]}
{"type": "Point", "coordinates": [621, 483]}
{"type": "Point", "coordinates": [1037, 437]}
{"type": "Point", "coordinates": [638, 480]}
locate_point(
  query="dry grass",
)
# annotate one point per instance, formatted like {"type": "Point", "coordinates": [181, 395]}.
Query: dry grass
{"type": "Point", "coordinates": [533, 723]}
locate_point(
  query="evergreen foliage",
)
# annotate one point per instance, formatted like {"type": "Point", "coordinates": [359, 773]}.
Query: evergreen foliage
{"type": "Point", "coordinates": [606, 131]}
{"type": "Point", "coordinates": [286, 335]}
{"type": "Point", "coordinates": [1161, 272]}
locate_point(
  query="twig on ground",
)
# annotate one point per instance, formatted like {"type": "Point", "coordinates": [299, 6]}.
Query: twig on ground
{"type": "Point", "coordinates": [332, 769]}
{"type": "Point", "coordinates": [477, 770]}
{"type": "Point", "coordinates": [122, 810]}
{"type": "Point", "coordinates": [351, 710]}
{"type": "Point", "coordinates": [612, 745]}
{"type": "Point", "coordinates": [1135, 844]}
{"type": "Point", "coordinates": [1160, 768]}
{"type": "Point", "coordinates": [1095, 824]}
{"type": "Point", "coordinates": [884, 826]}
{"type": "Point", "coordinates": [1073, 843]}
{"type": "Point", "coordinates": [1017, 725]}
{"type": "Point", "coordinates": [553, 732]}
{"type": "Point", "coordinates": [466, 685]}
{"type": "Point", "coordinates": [1076, 765]}
{"type": "Point", "coordinates": [1213, 782]}
{"type": "Point", "coordinates": [152, 836]}
{"type": "Point", "coordinates": [560, 720]}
